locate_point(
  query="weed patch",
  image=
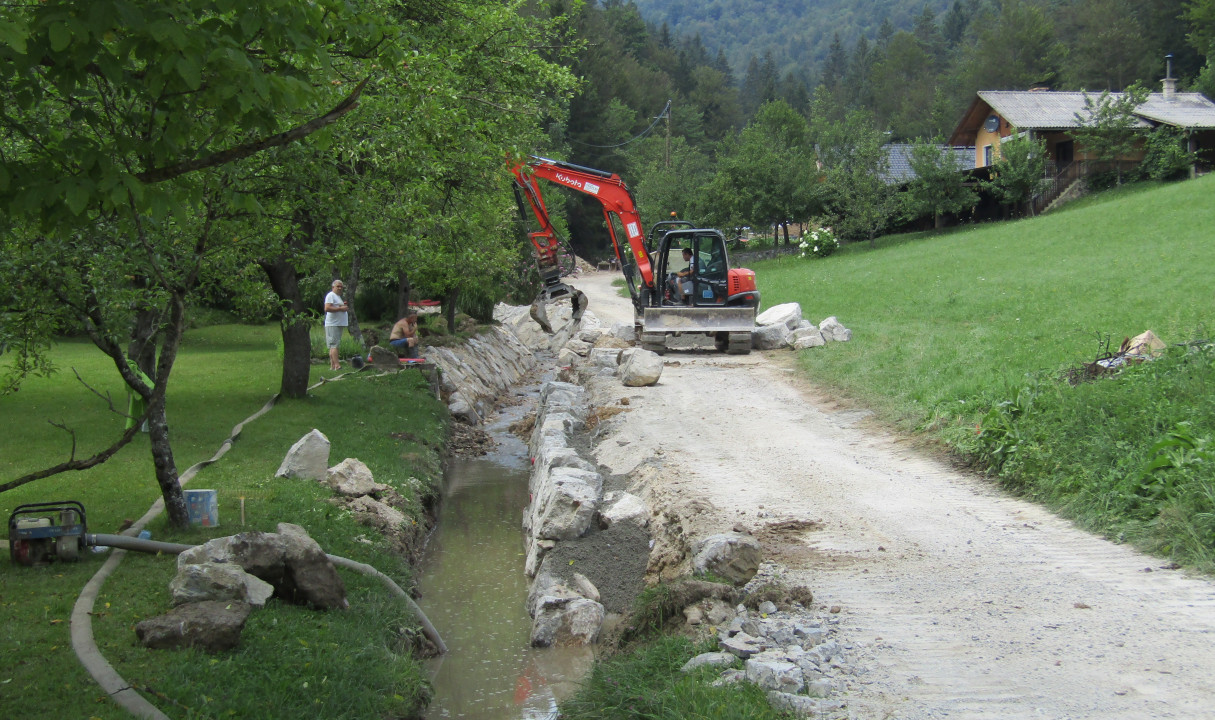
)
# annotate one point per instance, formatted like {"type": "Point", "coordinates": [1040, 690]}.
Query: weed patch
{"type": "Point", "coordinates": [646, 683]}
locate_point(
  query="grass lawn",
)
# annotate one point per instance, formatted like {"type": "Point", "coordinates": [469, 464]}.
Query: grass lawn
{"type": "Point", "coordinates": [948, 326]}
{"type": "Point", "coordinates": [352, 664]}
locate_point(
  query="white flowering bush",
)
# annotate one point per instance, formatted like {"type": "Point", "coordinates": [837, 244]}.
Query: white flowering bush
{"type": "Point", "coordinates": [818, 243]}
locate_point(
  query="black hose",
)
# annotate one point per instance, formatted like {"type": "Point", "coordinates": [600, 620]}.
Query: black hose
{"type": "Point", "coordinates": [126, 542]}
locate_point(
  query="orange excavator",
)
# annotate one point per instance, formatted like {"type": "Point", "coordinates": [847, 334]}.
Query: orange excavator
{"type": "Point", "coordinates": [679, 277]}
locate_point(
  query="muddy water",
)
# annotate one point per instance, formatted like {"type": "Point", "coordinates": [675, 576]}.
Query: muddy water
{"type": "Point", "coordinates": [475, 593]}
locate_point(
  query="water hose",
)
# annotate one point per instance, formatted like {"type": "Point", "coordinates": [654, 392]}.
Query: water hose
{"type": "Point", "coordinates": [126, 542]}
{"type": "Point", "coordinates": [427, 629]}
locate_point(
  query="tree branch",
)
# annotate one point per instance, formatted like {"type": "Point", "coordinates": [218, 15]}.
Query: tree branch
{"type": "Point", "coordinates": [240, 152]}
{"type": "Point", "coordinates": [72, 463]}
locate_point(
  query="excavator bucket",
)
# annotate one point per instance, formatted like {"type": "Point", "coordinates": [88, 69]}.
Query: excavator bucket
{"type": "Point", "coordinates": [553, 293]}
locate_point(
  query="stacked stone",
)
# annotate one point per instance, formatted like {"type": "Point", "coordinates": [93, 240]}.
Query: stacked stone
{"type": "Point", "coordinates": [477, 372]}
{"type": "Point", "coordinates": [597, 350]}
{"type": "Point", "coordinates": [783, 326]}
{"type": "Point", "coordinates": [566, 491]}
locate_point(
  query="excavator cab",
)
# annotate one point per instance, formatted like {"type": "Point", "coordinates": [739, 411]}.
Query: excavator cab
{"type": "Point", "coordinates": [706, 279]}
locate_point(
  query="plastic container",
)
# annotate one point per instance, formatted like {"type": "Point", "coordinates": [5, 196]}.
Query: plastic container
{"type": "Point", "coordinates": [202, 507]}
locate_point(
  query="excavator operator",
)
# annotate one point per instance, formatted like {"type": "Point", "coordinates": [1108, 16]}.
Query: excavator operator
{"type": "Point", "coordinates": [683, 278]}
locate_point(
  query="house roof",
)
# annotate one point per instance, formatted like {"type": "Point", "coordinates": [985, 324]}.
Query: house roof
{"type": "Point", "coordinates": [1187, 110]}
{"type": "Point", "coordinates": [898, 161]}
{"type": "Point", "coordinates": [1051, 110]}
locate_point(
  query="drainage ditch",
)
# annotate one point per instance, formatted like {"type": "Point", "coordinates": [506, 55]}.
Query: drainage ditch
{"type": "Point", "coordinates": [474, 591]}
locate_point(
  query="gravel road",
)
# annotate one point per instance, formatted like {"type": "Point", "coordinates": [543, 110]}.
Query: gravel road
{"type": "Point", "coordinates": [964, 602]}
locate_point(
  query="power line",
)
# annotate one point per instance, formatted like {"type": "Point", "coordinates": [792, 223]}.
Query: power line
{"type": "Point", "coordinates": [665, 111]}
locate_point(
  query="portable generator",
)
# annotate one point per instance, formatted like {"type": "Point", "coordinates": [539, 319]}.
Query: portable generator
{"type": "Point", "coordinates": [41, 532]}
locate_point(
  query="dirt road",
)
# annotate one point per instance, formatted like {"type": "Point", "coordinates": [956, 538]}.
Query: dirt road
{"type": "Point", "coordinates": [962, 602]}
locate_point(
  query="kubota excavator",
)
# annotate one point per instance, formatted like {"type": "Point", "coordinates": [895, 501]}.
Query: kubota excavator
{"type": "Point", "coordinates": [680, 279]}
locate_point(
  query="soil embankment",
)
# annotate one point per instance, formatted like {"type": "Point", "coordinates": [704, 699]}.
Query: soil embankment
{"type": "Point", "coordinates": [957, 599]}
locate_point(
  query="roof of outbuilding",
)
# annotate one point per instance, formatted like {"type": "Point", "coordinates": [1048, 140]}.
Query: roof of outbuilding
{"type": "Point", "coordinates": [898, 161]}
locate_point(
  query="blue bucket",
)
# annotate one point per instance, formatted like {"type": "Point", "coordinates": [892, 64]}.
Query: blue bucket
{"type": "Point", "coordinates": [202, 507]}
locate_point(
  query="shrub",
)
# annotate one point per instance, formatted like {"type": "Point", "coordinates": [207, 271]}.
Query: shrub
{"type": "Point", "coordinates": [818, 243]}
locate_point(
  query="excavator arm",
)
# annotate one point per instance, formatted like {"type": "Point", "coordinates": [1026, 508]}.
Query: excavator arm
{"type": "Point", "coordinates": [616, 199]}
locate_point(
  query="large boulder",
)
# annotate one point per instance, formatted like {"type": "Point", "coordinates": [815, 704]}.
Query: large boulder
{"type": "Point", "coordinates": [788, 314]}
{"type": "Point", "coordinates": [220, 582]}
{"type": "Point", "coordinates": [770, 337]}
{"type": "Point", "coordinates": [308, 458]}
{"type": "Point", "coordinates": [565, 505]}
{"type": "Point", "coordinates": [619, 506]}
{"type": "Point", "coordinates": [775, 675]}
{"type": "Point", "coordinates": [383, 358]}
{"type": "Point", "coordinates": [352, 478]}
{"type": "Point", "coordinates": [642, 368]}
{"type": "Point", "coordinates": [834, 331]}
{"type": "Point", "coordinates": [289, 560]}
{"type": "Point", "coordinates": [211, 626]}
{"type": "Point", "coordinates": [733, 556]}
{"type": "Point", "coordinates": [803, 338]}
{"type": "Point", "coordinates": [562, 622]}
{"type": "Point", "coordinates": [624, 331]}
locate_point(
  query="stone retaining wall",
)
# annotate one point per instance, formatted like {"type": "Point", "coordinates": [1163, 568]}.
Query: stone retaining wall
{"type": "Point", "coordinates": [476, 373]}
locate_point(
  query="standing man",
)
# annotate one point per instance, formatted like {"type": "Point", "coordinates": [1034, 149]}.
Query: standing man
{"type": "Point", "coordinates": [404, 336]}
{"type": "Point", "coordinates": [336, 319]}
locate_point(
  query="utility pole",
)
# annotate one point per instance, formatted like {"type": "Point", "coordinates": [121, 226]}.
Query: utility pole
{"type": "Point", "coordinates": [667, 112]}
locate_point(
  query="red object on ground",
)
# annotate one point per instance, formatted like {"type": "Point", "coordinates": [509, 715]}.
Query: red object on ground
{"type": "Point", "coordinates": [425, 303]}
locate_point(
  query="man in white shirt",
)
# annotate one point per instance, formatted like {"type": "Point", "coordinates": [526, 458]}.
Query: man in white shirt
{"type": "Point", "coordinates": [336, 319]}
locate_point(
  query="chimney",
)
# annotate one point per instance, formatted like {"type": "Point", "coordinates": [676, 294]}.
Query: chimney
{"type": "Point", "coordinates": [1170, 83]}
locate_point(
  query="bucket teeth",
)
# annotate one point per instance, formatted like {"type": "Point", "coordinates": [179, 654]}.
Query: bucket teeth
{"type": "Point", "coordinates": [540, 315]}
{"type": "Point", "coordinates": [539, 309]}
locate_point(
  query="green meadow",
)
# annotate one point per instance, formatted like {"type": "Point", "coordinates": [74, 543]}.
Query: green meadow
{"type": "Point", "coordinates": [293, 661]}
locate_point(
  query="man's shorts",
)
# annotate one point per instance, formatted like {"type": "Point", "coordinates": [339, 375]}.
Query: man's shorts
{"type": "Point", "coordinates": [333, 335]}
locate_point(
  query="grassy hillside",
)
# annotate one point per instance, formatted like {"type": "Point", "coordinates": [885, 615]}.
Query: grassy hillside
{"type": "Point", "coordinates": [967, 334]}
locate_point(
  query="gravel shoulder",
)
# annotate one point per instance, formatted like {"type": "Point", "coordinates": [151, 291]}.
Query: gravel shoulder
{"type": "Point", "coordinates": [963, 601]}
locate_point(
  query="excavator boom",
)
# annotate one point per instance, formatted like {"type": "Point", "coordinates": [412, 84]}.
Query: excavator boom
{"type": "Point", "coordinates": [712, 298]}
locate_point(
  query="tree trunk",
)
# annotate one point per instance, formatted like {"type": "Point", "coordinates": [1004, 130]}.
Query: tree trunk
{"type": "Point", "coordinates": [785, 225]}
{"type": "Point", "coordinates": [297, 346]}
{"type": "Point", "coordinates": [158, 423]}
{"type": "Point", "coordinates": [352, 286]}
{"type": "Point", "coordinates": [404, 290]}
{"type": "Point", "coordinates": [142, 348]}
{"type": "Point", "coordinates": [449, 309]}
{"type": "Point", "coordinates": [166, 466]}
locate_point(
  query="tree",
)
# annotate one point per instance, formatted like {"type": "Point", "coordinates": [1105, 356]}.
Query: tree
{"type": "Point", "coordinates": [940, 185]}
{"type": "Point", "coordinates": [1109, 128]}
{"type": "Point", "coordinates": [1015, 49]}
{"type": "Point", "coordinates": [767, 178]}
{"type": "Point", "coordinates": [857, 196]}
{"type": "Point", "coordinates": [1018, 173]}
{"type": "Point", "coordinates": [904, 82]}
{"type": "Point", "coordinates": [124, 127]}
{"type": "Point", "coordinates": [1108, 46]}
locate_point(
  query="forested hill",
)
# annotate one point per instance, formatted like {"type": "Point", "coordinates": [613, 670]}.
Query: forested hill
{"type": "Point", "coordinates": [795, 32]}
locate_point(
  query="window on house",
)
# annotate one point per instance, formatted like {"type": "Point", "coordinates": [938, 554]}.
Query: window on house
{"type": "Point", "coordinates": [986, 155]}
{"type": "Point", "coordinates": [1065, 152]}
